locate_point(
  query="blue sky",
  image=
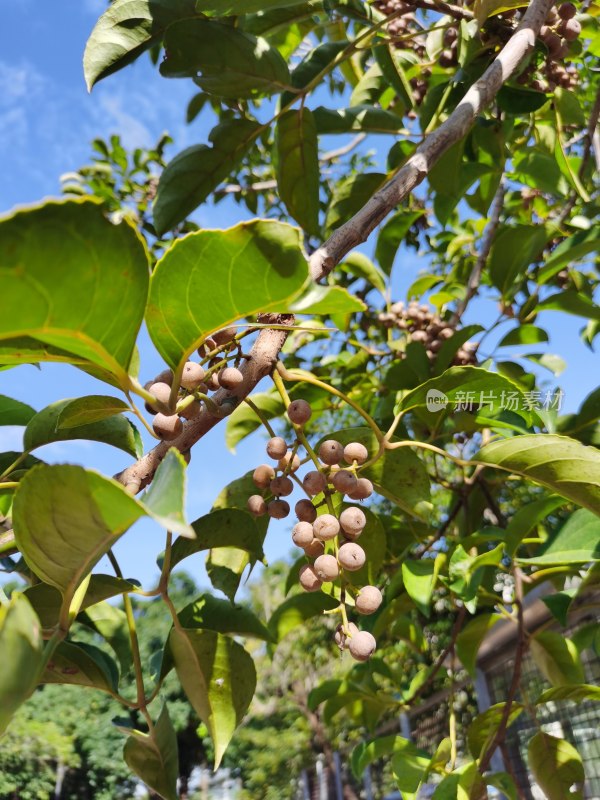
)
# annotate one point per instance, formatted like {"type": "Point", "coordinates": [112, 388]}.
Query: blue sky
{"type": "Point", "coordinates": [47, 120]}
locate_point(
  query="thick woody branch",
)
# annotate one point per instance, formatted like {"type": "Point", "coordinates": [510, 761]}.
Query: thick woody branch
{"type": "Point", "coordinates": [265, 351]}
{"type": "Point", "coordinates": [452, 130]}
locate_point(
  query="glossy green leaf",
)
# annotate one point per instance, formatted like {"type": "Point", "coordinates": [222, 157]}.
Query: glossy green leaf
{"type": "Point", "coordinates": [225, 566]}
{"type": "Point", "coordinates": [111, 623]}
{"type": "Point", "coordinates": [358, 265]}
{"type": "Point", "coordinates": [564, 465]}
{"type": "Point", "coordinates": [571, 302]}
{"type": "Point", "coordinates": [154, 757]}
{"type": "Point", "coordinates": [569, 250]}
{"type": "Point", "coordinates": [317, 60]}
{"type": "Point", "coordinates": [391, 236]}
{"type": "Point", "coordinates": [327, 300]}
{"type": "Point", "coordinates": [125, 30]}
{"type": "Point", "coordinates": [244, 421]}
{"type": "Point", "coordinates": [470, 638]}
{"type": "Point", "coordinates": [298, 173]}
{"type": "Point", "coordinates": [366, 119]}
{"type": "Point", "coordinates": [219, 679]}
{"type": "Point", "coordinates": [223, 60]}
{"type": "Point", "coordinates": [92, 318]}
{"type": "Point", "coordinates": [366, 753]}
{"type": "Point", "coordinates": [227, 527]}
{"type": "Point", "coordinates": [557, 658]}
{"type": "Point", "coordinates": [87, 410]}
{"type": "Point", "coordinates": [82, 664]}
{"type": "Point", "coordinates": [409, 765]}
{"type": "Point", "coordinates": [225, 8]}
{"type": "Point", "coordinates": [296, 610]}
{"type": "Point", "coordinates": [524, 334]}
{"type": "Point", "coordinates": [556, 766]}
{"type": "Point", "coordinates": [202, 284]}
{"type": "Point", "coordinates": [13, 412]}
{"type": "Point", "coordinates": [520, 101]}
{"type": "Point", "coordinates": [21, 645]}
{"type": "Point", "coordinates": [194, 173]}
{"type": "Point", "coordinates": [419, 581]}
{"type": "Point", "coordinates": [527, 518]}
{"type": "Point", "coordinates": [514, 249]}
{"type": "Point", "coordinates": [45, 428]}
{"type": "Point", "coordinates": [483, 728]}
{"type": "Point", "coordinates": [213, 613]}
{"type": "Point", "coordinates": [350, 195]}
{"type": "Point", "coordinates": [575, 694]}
{"type": "Point", "coordinates": [164, 500]}
{"type": "Point", "coordinates": [576, 542]}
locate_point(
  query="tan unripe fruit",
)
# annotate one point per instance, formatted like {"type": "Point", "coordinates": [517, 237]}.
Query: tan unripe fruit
{"type": "Point", "coordinates": [281, 486]}
{"type": "Point", "coordinates": [314, 549]}
{"type": "Point", "coordinates": [256, 505]}
{"type": "Point", "coordinates": [355, 451]}
{"type": "Point", "coordinates": [353, 521]}
{"type": "Point", "coordinates": [446, 333]}
{"type": "Point", "coordinates": [224, 336]}
{"type": "Point", "coordinates": [326, 527]}
{"type": "Point", "coordinates": [285, 461]}
{"type": "Point", "coordinates": [263, 475]}
{"type": "Point", "coordinates": [344, 481]}
{"type": "Point", "coordinates": [314, 482]}
{"type": "Point", "coordinates": [212, 382]}
{"type": "Point", "coordinates": [302, 534]}
{"type": "Point", "coordinates": [299, 412]}
{"type": "Point", "coordinates": [305, 511]}
{"type": "Point", "coordinates": [167, 427]}
{"type": "Point", "coordinates": [308, 578]}
{"type": "Point", "coordinates": [162, 392]}
{"type": "Point", "coordinates": [343, 639]}
{"type": "Point", "coordinates": [276, 447]}
{"type": "Point", "coordinates": [166, 376]}
{"type": "Point", "coordinates": [192, 376]}
{"type": "Point", "coordinates": [191, 411]}
{"type": "Point", "coordinates": [368, 601]}
{"type": "Point", "coordinates": [230, 378]}
{"type": "Point", "coordinates": [278, 509]}
{"type": "Point", "coordinates": [331, 452]}
{"type": "Point", "coordinates": [364, 489]}
{"type": "Point", "coordinates": [326, 568]}
{"type": "Point", "coordinates": [362, 646]}
{"type": "Point", "coordinates": [570, 29]}
{"type": "Point", "coordinates": [351, 556]}
{"type": "Point", "coordinates": [567, 11]}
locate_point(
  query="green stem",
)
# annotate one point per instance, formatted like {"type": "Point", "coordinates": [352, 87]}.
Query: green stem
{"type": "Point", "coordinates": [14, 464]}
{"type": "Point", "coordinates": [260, 415]}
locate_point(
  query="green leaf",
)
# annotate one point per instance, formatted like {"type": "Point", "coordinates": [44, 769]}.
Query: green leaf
{"type": "Point", "coordinates": [452, 345]}
{"type": "Point", "coordinates": [92, 318]}
{"type": "Point", "coordinates": [520, 101]}
{"type": "Point", "coordinates": [298, 609]}
{"type": "Point", "coordinates": [399, 475]}
{"type": "Point", "coordinates": [111, 623]}
{"type": "Point", "coordinates": [419, 581]}
{"type": "Point", "coordinates": [366, 119]}
{"type": "Point", "coordinates": [298, 173]}
{"type": "Point", "coordinates": [327, 300]}
{"type": "Point", "coordinates": [564, 465]}
{"type": "Point", "coordinates": [350, 195]}
{"type": "Point", "coordinates": [223, 60]}
{"type": "Point", "coordinates": [470, 638]}
{"type": "Point", "coordinates": [557, 658]}
{"type": "Point", "coordinates": [225, 567]}
{"type": "Point", "coordinates": [409, 765]}
{"type": "Point", "coordinates": [571, 302]}
{"type": "Point", "coordinates": [483, 728]}
{"type": "Point", "coordinates": [576, 542]}
{"type": "Point", "coordinates": [62, 548]}
{"type": "Point", "coordinates": [569, 250]}
{"type": "Point", "coordinates": [527, 518]}
{"type": "Point", "coordinates": [125, 30]}
{"type": "Point", "coordinates": [164, 500]}
{"type": "Point", "coordinates": [391, 236]}
{"type": "Point", "coordinates": [82, 664]}
{"type": "Point", "coordinates": [358, 265]}
{"type": "Point", "coordinates": [154, 758]}
{"type": "Point", "coordinates": [312, 65]}
{"type": "Point", "coordinates": [369, 88]}
{"type": "Point", "coordinates": [515, 247]}
{"type": "Point", "coordinates": [227, 527]}
{"type": "Point", "coordinates": [366, 753]}
{"type": "Point", "coordinates": [202, 284]}
{"type": "Point", "coordinates": [86, 410]}
{"type": "Point", "coordinates": [21, 645]}
{"type": "Point", "coordinates": [576, 694]}
{"type": "Point", "coordinates": [225, 8]}
{"type": "Point", "coordinates": [556, 766]}
{"type": "Point", "coordinates": [244, 421]}
{"type": "Point", "coordinates": [559, 603]}
{"type": "Point", "coordinates": [194, 173]}
{"type": "Point", "coordinates": [219, 679]}
{"type": "Point", "coordinates": [117, 431]}
{"type": "Point", "coordinates": [524, 334]}
{"type": "Point", "coordinates": [13, 412]}
{"type": "Point", "coordinates": [212, 613]}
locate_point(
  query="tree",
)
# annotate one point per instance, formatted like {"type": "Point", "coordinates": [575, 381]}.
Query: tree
{"type": "Point", "coordinates": [467, 464]}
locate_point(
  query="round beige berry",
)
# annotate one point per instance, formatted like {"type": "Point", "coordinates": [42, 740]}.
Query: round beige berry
{"type": "Point", "coordinates": [351, 556]}
{"type": "Point", "coordinates": [369, 599]}
{"type": "Point", "coordinates": [331, 452]}
{"type": "Point", "coordinates": [362, 646]}
{"type": "Point", "coordinates": [308, 578]}
{"type": "Point", "coordinates": [299, 412]}
{"type": "Point", "coordinates": [343, 639]}
{"type": "Point", "coordinates": [162, 392]}
{"type": "Point", "coordinates": [288, 461]}
{"type": "Point", "coordinates": [278, 509]}
{"type": "Point", "coordinates": [314, 482]}
{"type": "Point", "coordinates": [256, 505]}
{"type": "Point", "coordinates": [353, 521]}
{"type": "Point", "coordinates": [230, 378]}
{"type": "Point", "coordinates": [355, 451]}
{"type": "Point", "coordinates": [305, 511]}
{"type": "Point", "coordinates": [263, 475]}
{"type": "Point", "coordinates": [191, 411]}
{"type": "Point", "coordinates": [364, 489]}
{"type": "Point", "coordinates": [276, 447]}
{"type": "Point", "coordinates": [167, 428]}
{"type": "Point", "coordinates": [192, 376]}
{"type": "Point", "coordinates": [224, 336]}
{"type": "Point", "coordinates": [212, 382]}
{"type": "Point", "coordinates": [344, 481]}
{"type": "Point", "coordinates": [166, 376]}
{"type": "Point", "coordinates": [315, 549]}
{"type": "Point", "coordinates": [302, 534]}
{"type": "Point", "coordinates": [281, 486]}
{"type": "Point", "coordinates": [326, 568]}
{"type": "Point", "coordinates": [326, 527]}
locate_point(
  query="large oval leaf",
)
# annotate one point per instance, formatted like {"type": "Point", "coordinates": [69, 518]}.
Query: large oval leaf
{"type": "Point", "coordinates": [214, 614]}
{"type": "Point", "coordinates": [154, 758]}
{"type": "Point", "coordinates": [577, 542]}
{"type": "Point", "coordinates": [556, 766]}
{"type": "Point", "coordinates": [227, 527]}
{"type": "Point", "coordinates": [298, 167]}
{"type": "Point", "coordinates": [74, 281]}
{"type": "Point", "coordinates": [219, 679]}
{"type": "Point", "coordinates": [13, 412]}
{"type": "Point", "coordinates": [210, 279]}
{"type": "Point", "coordinates": [92, 408]}
{"type": "Point", "coordinates": [82, 665]}
{"type": "Point", "coordinates": [296, 610]}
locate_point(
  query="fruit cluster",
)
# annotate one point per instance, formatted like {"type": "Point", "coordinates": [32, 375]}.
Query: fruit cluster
{"type": "Point", "coordinates": [421, 324]}
{"type": "Point", "coordinates": [196, 381]}
{"type": "Point", "coordinates": [559, 30]}
{"type": "Point", "coordinates": [328, 539]}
